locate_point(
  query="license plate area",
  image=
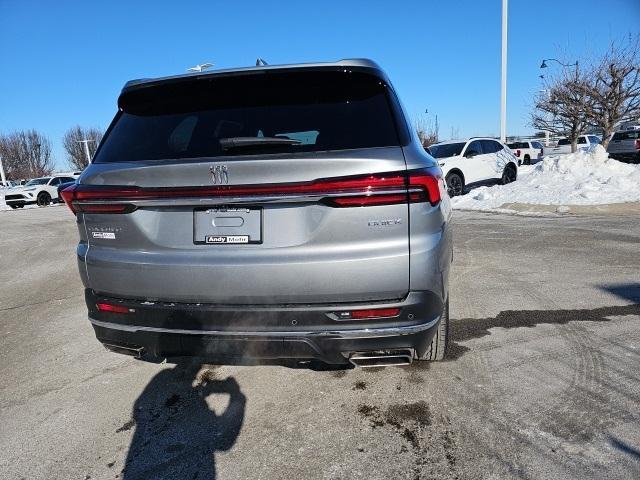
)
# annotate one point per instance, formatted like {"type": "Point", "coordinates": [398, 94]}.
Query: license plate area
{"type": "Point", "coordinates": [227, 225]}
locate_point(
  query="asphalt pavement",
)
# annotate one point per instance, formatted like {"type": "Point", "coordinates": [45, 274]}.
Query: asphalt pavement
{"type": "Point", "coordinates": [543, 380]}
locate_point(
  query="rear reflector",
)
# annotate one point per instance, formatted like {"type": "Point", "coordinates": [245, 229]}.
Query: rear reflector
{"type": "Point", "coordinates": [375, 313]}
{"type": "Point", "coordinates": [358, 191]}
{"type": "Point", "coordinates": [107, 307]}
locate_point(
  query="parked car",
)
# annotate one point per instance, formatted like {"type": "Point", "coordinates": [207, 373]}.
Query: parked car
{"type": "Point", "coordinates": [585, 142]}
{"type": "Point", "coordinates": [62, 186]}
{"type": "Point", "coordinates": [625, 145]}
{"type": "Point", "coordinates": [473, 162]}
{"type": "Point", "coordinates": [41, 191]}
{"type": "Point", "coordinates": [290, 214]}
{"type": "Point", "coordinates": [527, 151]}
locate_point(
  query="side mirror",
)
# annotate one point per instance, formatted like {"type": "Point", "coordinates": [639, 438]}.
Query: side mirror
{"type": "Point", "coordinates": [470, 154]}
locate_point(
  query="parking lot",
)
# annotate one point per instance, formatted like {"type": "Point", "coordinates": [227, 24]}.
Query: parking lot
{"type": "Point", "coordinates": [542, 381]}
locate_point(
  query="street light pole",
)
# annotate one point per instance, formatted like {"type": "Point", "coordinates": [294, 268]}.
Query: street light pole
{"type": "Point", "coordinates": [86, 148]}
{"type": "Point", "coordinates": [4, 179]}
{"type": "Point", "coordinates": [503, 93]}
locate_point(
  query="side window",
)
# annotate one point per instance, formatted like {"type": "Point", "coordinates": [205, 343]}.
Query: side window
{"type": "Point", "coordinates": [582, 140]}
{"type": "Point", "coordinates": [497, 146]}
{"type": "Point", "coordinates": [474, 147]}
{"type": "Point", "coordinates": [55, 181]}
{"type": "Point", "coordinates": [536, 145]}
{"type": "Point", "coordinates": [595, 140]}
{"type": "Point", "coordinates": [490, 146]}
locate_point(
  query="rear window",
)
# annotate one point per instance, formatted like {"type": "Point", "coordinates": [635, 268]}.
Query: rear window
{"type": "Point", "coordinates": [518, 145]}
{"type": "Point", "coordinates": [564, 141]}
{"type": "Point", "coordinates": [446, 150]}
{"type": "Point", "coordinates": [303, 111]}
{"type": "Point", "coordinates": [633, 135]}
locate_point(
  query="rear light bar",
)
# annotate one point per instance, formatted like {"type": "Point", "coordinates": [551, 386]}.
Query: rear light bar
{"type": "Point", "coordinates": [518, 153]}
{"type": "Point", "coordinates": [108, 307]}
{"type": "Point", "coordinates": [365, 190]}
{"type": "Point", "coordinates": [368, 313]}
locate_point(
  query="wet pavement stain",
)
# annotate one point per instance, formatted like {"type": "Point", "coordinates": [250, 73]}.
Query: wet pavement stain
{"type": "Point", "coordinates": [468, 328]}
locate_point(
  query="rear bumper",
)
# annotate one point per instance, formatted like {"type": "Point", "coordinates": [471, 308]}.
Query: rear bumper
{"type": "Point", "coordinates": [628, 157]}
{"type": "Point", "coordinates": [232, 334]}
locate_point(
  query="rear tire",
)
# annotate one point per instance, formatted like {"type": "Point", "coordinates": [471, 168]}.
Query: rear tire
{"type": "Point", "coordinates": [527, 160]}
{"type": "Point", "coordinates": [14, 206]}
{"type": "Point", "coordinates": [509, 175]}
{"type": "Point", "coordinates": [437, 351]}
{"type": "Point", "coordinates": [44, 199]}
{"type": "Point", "coordinates": [455, 185]}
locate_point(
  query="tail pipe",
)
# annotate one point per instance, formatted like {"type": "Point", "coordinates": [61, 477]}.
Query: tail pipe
{"type": "Point", "coordinates": [130, 350]}
{"type": "Point", "coordinates": [382, 358]}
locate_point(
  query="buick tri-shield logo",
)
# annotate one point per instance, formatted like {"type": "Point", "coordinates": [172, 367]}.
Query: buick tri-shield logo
{"type": "Point", "coordinates": [219, 174]}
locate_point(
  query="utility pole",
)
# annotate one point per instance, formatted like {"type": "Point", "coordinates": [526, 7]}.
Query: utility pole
{"type": "Point", "coordinates": [503, 93]}
{"type": "Point", "coordinates": [86, 148]}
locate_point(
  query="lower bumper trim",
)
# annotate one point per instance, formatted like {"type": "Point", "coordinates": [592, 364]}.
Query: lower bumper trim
{"type": "Point", "coordinates": [351, 333]}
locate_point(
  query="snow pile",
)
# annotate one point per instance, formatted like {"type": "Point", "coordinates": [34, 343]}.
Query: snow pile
{"type": "Point", "coordinates": [581, 178]}
{"type": "Point", "coordinates": [3, 206]}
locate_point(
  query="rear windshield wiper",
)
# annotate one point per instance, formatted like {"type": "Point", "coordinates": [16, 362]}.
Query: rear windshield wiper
{"type": "Point", "coordinates": [241, 142]}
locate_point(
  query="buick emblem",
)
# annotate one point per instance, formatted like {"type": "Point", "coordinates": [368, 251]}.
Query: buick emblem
{"type": "Point", "coordinates": [219, 174]}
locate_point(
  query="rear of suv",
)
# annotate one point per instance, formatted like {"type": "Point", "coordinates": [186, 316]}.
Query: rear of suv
{"type": "Point", "coordinates": [625, 145]}
{"type": "Point", "coordinates": [275, 212]}
{"type": "Point", "coordinates": [527, 152]}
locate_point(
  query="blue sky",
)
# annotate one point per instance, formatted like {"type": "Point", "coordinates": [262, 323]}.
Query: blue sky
{"type": "Point", "coordinates": [64, 63]}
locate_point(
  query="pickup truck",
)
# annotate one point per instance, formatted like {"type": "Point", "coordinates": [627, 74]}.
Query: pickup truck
{"type": "Point", "coordinates": [585, 142]}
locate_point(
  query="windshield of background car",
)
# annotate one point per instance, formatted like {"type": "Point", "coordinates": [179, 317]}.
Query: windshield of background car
{"type": "Point", "coordinates": [446, 150]}
{"type": "Point", "coordinates": [37, 181]}
{"type": "Point", "coordinates": [518, 145]}
{"type": "Point", "coordinates": [319, 110]}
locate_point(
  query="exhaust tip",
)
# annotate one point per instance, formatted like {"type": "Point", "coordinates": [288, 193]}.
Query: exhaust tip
{"type": "Point", "coordinates": [382, 358]}
{"type": "Point", "coordinates": [132, 351]}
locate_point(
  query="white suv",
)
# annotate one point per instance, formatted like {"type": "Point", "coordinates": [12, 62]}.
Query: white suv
{"type": "Point", "coordinates": [41, 191]}
{"type": "Point", "coordinates": [474, 162]}
{"type": "Point", "coordinates": [528, 152]}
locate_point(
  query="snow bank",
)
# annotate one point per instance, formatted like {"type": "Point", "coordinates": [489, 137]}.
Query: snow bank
{"type": "Point", "coordinates": [3, 206]}
{"type": "Point", "coordinates": [581, 178]}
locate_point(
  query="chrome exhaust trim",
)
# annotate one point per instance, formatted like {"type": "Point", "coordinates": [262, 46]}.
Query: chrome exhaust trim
{"type": "Point", "coordinates": [382, 358]}
{"type": "Point", "coordinates": [125, 350]}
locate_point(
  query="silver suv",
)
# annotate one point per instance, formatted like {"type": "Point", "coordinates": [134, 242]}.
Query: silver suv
{"type": "Point", "coordinates": [625, 145]}
{"type": "Point", "coordinates": [276, 212]}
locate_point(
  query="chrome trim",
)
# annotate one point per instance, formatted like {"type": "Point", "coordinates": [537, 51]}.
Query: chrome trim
{"type": "Point", "coordinates": [354, 333]}
{"type": "Point", "coordinates": [239, 200]}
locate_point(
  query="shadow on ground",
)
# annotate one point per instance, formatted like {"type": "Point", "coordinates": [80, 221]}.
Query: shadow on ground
{"type": "Point", "coordinates": [176, 432]}
{"type": "Point", "coordinates": [628, 291]}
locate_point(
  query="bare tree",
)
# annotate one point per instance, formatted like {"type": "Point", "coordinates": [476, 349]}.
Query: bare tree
{"type": "Point", "coordinates": [26, 154]}
{"type": "Point", "coordinates": [614, 91]}
{"type": "Point", "coordinates": [563, 107]}
{"type": "Point", "coordinates": [72, 143]}
{"type": "Point", "coordinates": [427, 131]}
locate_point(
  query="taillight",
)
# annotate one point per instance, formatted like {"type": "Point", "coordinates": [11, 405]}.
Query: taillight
{"type": "Point", "coordinates": [517, 153]}
{"type": "Point", "coordinates": [637, 144]}
{"type": "Point", "coordinates": [542, 151]}
{"type": "Point", "coordinates": [363, 190]}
